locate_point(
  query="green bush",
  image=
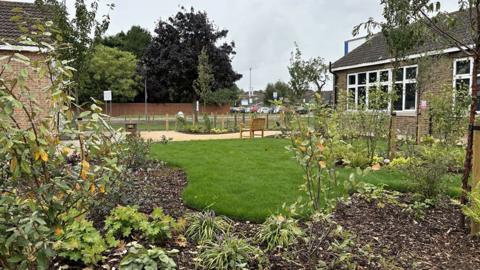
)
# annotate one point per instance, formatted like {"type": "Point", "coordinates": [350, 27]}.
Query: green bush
{"type": "Point", "coordinates": [80, 241]}
{"type": "Point", "coordinates": [160, 227]}
{"type": "Point", "coordinates": [472, 211]}
{"type": "Point", "coordinates": [206, 226]}
{"type": "Point", "coordinates": [135, 151]}
{"type": "Point", "coordinates": [231, 253]}
{"type": "Point", "coordinates": [278, 232]}
{"type": "Point", "coordinates": [124, 221]}
{"type": "Point", "coordinates": [139, 258]}
{"type": "Point", "coordinates": [25, 237]}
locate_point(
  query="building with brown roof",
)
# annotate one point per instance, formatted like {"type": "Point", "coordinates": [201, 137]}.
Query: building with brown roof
{"type": "Point", "coordinates": [9, 34]}
{"type": "Point", "coordinates": [370, 65]}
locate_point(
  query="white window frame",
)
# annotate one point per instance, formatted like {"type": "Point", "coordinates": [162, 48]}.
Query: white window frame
{"type": "Point", "coordinates": [463, 76]}
{"type": "Point", "coordinates": [389, 83]}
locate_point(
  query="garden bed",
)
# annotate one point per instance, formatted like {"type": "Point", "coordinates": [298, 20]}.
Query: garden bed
{"type": "Point", "coordinates": [383, 237]}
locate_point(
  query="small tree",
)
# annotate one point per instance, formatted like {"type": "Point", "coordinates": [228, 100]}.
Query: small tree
{"type": "Point", "coordinates": [203, 84]}
{"type": "Point", "coordinates": [303, 73]}
{"type": "Point", "coordinates": [282, 89]}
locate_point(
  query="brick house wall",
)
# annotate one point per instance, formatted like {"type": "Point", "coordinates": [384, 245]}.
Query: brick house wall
{"type": "Point", "coordinates": [432, 73]}
{"type": "Point", "coordinates": [36, 85]}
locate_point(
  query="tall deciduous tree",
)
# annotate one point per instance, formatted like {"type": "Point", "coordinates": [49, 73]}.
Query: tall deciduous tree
{"type": "Point", "coordinates": [304, 73]}
{"type": "Point", "coordinates": [203, 84]}
{"type": "Point", "coordinates": [80, 30]}
{"type": "Point", "coordinates": [428, 14]}
{"type": "Point", "coordinates": [171, 60]}
{"type": "Point", "coordinates": [136, 40]}
{"type": "Point", "coordinates": [110, 69]}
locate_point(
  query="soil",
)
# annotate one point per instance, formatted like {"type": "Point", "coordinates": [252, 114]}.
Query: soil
{"type": "Point", "coordinates": [383, 237]}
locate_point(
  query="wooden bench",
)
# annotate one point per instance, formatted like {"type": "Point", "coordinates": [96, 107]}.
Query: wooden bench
{"type": "Point", "coordinates": [257, 124]}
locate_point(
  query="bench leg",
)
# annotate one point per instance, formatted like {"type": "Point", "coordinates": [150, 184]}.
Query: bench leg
{"type": "Point", "coordinates": [262, 133]}
{"type": "Point", "coordinates": [252, 134]}
{"type": "Point", "coordinates": [241, 134]}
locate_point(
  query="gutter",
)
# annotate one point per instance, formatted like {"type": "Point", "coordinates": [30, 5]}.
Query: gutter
{"type": "Point", "coordinates": [334, 84]}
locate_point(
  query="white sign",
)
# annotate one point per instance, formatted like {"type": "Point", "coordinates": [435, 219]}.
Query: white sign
{"type": "Point", "coordinates": [275, 95]}
{"type": "Point", "coordinates": [423, 104]}
{"type": "Point", "coordinates": [198, 106]}
{"type": "Point", "coordinates": [107, 95]}
{"type": "Point", "coordinates": [244, 102]}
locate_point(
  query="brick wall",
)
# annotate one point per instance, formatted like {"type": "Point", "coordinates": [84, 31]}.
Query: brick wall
{"type": "Point", "coordinates": [120, 109]}
{"type": "Point", "coordinates": [433, 73]}
{"type": "Point", "coordinates": [35, 88]}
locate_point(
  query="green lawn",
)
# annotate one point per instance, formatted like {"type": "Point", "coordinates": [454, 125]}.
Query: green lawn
{"type": "Point", "coordinates": [248, 179]}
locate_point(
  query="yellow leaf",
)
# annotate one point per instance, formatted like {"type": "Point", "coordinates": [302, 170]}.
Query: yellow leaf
{"type": "Point", "coordinates": [92, 188]}
{"type": "Point", "coordinates": [101, 189]}
{"type": "Point", "coordinates": [376, 167]}
{"type": "Point", "coordinates": [66, 150]}
{"type": "Point", "coordinates": [58, 231]}
{"type": "Point", "coordinates": [13, 165]}
{"type": "Point", "coordinates": [85, 169]}
{"type": "Point", "coordinates": [77, 186]}
{"type": "Point", "coordinates": [44, 156]}
{"type": "Point", "coordinates": [322, 164]}
{"type": "Point", "coordinates": [36, 155]}
{"type": "Point", "coordinates": [320, 147]}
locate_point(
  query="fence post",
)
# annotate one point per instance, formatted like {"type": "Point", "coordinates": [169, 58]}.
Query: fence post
{"type": "Point", "coordinates": [166, 122]}
{"type": "Point", "coordinates": [266, 122]}
{"type": "Point", "coordinates": [223, 121]}
{"type": "Point", "coordinates": [235, 121]}
{"type": "Point", "coordinates": [243, 118]}
{"type": "Point", "coordinates": [214, 120]}
{"type": "Point", "coordinates": [193, 119]}
{"type": "Point", "coordinates": [475, 227]}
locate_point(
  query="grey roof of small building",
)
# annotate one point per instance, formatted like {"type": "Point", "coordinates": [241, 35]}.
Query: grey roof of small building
{"type": "Point", "coordinates": [375, 48]}
{"type": "Point", "coordinates": [8, 28]}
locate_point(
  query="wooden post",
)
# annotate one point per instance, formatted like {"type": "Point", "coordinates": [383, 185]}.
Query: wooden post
{"type": "Point", "coordinates": [243, 118]}
{"type": "Point", "coordinates": [266, 122]}
{"type": "Point", "coordinates": [235, 120]}
{"type": "Point", "coordinates": [475, 227]}
{"type": "Point", "coordinates": [214, 120]}
{"type": "Point", "coordinates": [166, 122]}
{"type": "Point", "coordinates": [393, 132]}
{"type": "Point", "coordinates": [193, 119]}
{"type": "Point", "coordinates": [223, 121]}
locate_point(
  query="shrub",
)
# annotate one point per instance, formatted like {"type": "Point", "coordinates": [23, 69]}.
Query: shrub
{"type": "Point", "coordinates": [80, 241]}
{"type": "Point", "coordinates": [122, 222]}
{"type": "Point", "coordinates": [207, 122]}
{"type": "Point", "coordinates": [428, 168]}
{"type": "Point", "coordinates": [472, 211]}
{"type": "Point", "coordinates": [205, 226]}
{"type": "Point", "coordinates": [278, 232]}
{"type": "Point", "coordinates": [231, 253]}
{"type": "Point", "coordinates": [139, 258]}
{"type": "Point", "coordinates": [135, 151]}
{"type": "Point", "coordinates": [161, 226]}
{"type": "Point", "coordinates": [25, 238]}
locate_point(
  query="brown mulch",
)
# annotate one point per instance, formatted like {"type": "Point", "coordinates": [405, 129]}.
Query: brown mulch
{"type": "Point", "coordinates": [394, 237]}
{"type": "Point", "coordinates": [436, 242]}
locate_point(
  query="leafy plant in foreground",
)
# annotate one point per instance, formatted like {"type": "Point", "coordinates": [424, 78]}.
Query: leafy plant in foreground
{"type": "Point", "coordinates": [123, 222]}
{"type": "Point", "coordinates": [139, 258]}
{"type": "Point", "coordinates": [160, 227]}
{"type": "Point", "coordinates": [472, 211]}
{"type": "Point", "coordinates": [80, 241]}
{"type": "Point", "coordinates": [206, 226]}
{"type": "Point", "coordinates": [278, 232]}
{"type": "Point", "coordinates": [231, 253]}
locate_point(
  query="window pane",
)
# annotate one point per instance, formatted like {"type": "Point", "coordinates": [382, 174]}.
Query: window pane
{"type": "Point", "coordinates": [411, 73]}
{"type": "Point", "coordinates": [384, 104]}
{"type": "Point", "coordinates": [352, 79]}
{"type": "Point", "coordinates": [462, 85]}
{"type": "Point", "coordinates": [463, 67]}
{"type": "Point", "coordinates": [384, 76]}
{"type": "Point", "coordinates": [362, 78]}
{"type": "Point", "coordinates": [362, 97]}
{"type": "Point", "coordinates": [399, 75]}
{"type": "Point", "coordinates": [410, 94]}
{"type": "Point", "coordinates": [372, 77]}
{"type": "Point", "coordinates": [397, 105]}
{"type": "Point", "coordinates": [351, 99]}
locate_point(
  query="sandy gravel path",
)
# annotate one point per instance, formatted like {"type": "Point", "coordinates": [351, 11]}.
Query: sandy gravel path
{"type": "Point", "coordinates": [178, 136]}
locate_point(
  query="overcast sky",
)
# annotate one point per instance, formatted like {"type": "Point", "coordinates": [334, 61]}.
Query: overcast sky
{"type": "Point", "coordinates": [264, 31]}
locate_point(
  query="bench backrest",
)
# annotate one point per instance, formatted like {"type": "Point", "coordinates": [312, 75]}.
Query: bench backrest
{"type": "Point", "coordinates": [258, 124]}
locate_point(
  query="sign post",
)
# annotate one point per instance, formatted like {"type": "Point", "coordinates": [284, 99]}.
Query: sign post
{"type": "Point", "coordinates": [107, 97]}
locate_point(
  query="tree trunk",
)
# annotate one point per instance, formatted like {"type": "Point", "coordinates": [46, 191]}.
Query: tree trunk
{"type": "Point", "coordinates": [469, 150]}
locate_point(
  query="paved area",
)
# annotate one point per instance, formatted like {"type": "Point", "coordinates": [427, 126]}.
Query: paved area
{"type": "Point", "coordinates": [178, 136]}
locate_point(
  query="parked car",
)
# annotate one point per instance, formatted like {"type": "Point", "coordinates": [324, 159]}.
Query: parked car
{"type": "Point", "coordinates": [246, 109]}
{"type": "Point", "coordinates": [278, 109]}
{"type": "Point", "coordinates": [264, 110]}
{"type": "Point", "coordinates": [235, 109]}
